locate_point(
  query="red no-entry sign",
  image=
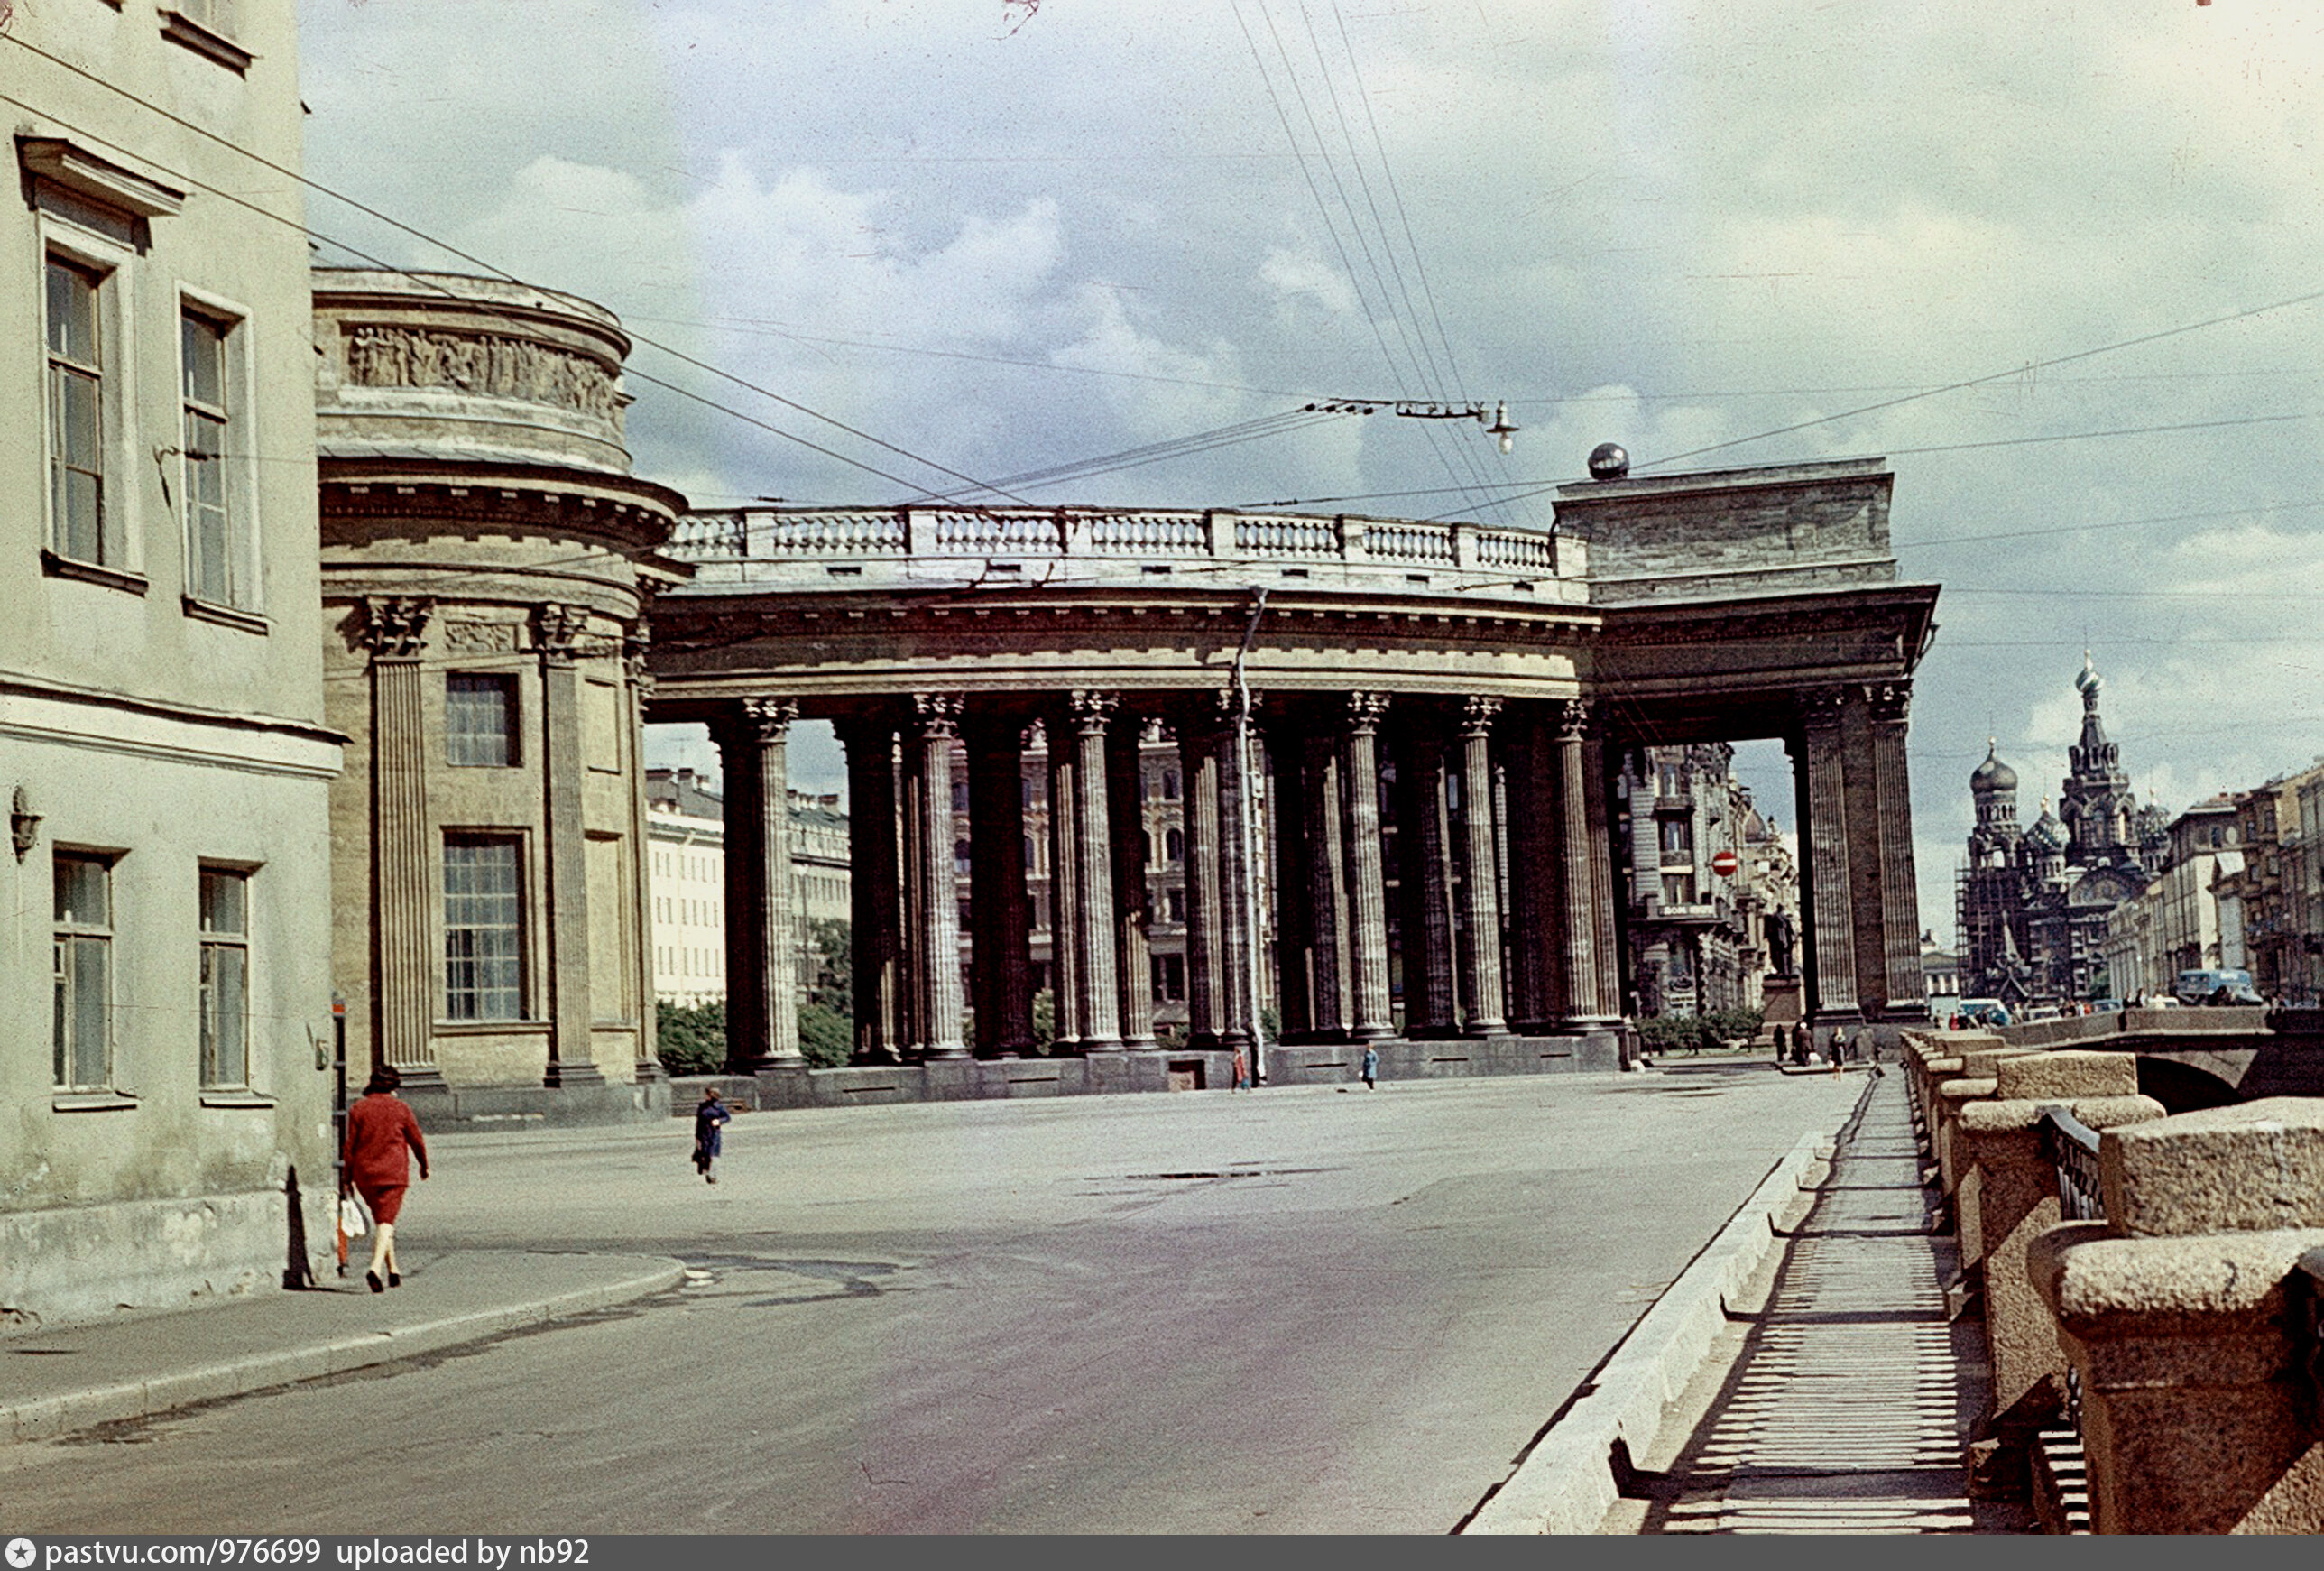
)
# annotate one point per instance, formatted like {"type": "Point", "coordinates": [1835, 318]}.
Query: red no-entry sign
{"type": "Point", "coordinates": [1725, 863]}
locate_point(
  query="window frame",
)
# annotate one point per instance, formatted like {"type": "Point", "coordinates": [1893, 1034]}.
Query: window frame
{"type": "Point", "coordinates": [237, 479]}
{"type": "Point", "coordinates": [65, 976]}
{"type": "Point", "coordinates": [512, 733]}
{"type": "Point", "coordinates": [223, 941]}
{"type": "Point", "coordinates": [520, 950]}
{"type": "Point", "coordinates": [106, 261]}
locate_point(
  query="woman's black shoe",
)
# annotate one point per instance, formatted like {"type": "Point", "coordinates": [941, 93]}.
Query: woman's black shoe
{"type": "Point", "coordinates": [376, 1285]}
{"type": "Point", "coordinates": [395, 1279]}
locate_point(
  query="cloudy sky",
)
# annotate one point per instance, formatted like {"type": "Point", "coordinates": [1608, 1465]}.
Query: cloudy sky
{"type": "Point", "coordinates": [1007, 236]}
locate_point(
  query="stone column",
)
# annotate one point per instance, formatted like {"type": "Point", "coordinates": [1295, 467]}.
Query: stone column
{"type": "Point", "coordinates": [641, 915]}
{"type": "Point", "coordinates": [762, 937]}
{"type": "Point", "coordinates": [1825, 882]}
{"type": "Point", "coordinates": [404, 846]}
{"type": "Point", "coordinates": [1598, 792]}
{"type": "Point", "coordinates": [1198, 773]}
{"type": "Point", "coordinates": [1240, 941]}
{"type": "Point", "coordinates": [1581, 1002]}
{"type": "Point", "coordinates": [1424, 879]}
{"type": "Point", "coordinates": [1890, 706]}
{"type": "Point", "coordinates": [558, 633]}
{"type": "Point", "coordinates": [1372, 1012]}
{"type": "Point", "coordinates": [1535, 929]}
{"type": "Point", "coordinates": [1125, 776]}
{"type": "Point", "coordinates": [1000, 948]}
{"type": "Point", "coordinates": [1065, 878]}
{"type": "Point", "coordinates": [1480, 950]}
{"type": "Point", "coordinates": [1287, 857]}
{"type": "Point", "coordinates": [1096, 980]}
{"type": "Point", "coordinates": [935, 942]}
{"type": "Point", "coordinates": [875, 888]}
{"type": "Point", "coordinates": [1326, 886]}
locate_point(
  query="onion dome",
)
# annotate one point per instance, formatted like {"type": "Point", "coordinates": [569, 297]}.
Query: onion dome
{"type": "Point", "coordinates": [2047, 832]}
{"type": "Point", "coordinates": [2087, 681]}
{"type": "Point", "coordinates": [1992, 776]}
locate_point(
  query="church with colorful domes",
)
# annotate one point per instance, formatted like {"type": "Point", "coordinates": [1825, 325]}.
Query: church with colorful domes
{"type": "Point", "coordinates": [2033, 899]}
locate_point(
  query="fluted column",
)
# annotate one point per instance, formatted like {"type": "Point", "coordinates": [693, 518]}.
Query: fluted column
{"type": "Point", "coordinates": [1198, 772]}
{"type": "Point", "coordinates": [1287, 855]}
{"type": "Point", "coordinates": [403, 843]}
{"type": "Point", "coordinates": [557, 634]}
{"type": "Point", "coordinates": [1424, 879]}
{"type": "Point", "coordinates": [1126, 809]}
{"type": "Point", "coordinates": [1371, 1008]}
{"type": "Point", "coordinates": [1890, 707]}
{"type": "Point", "coordinates": [640, 867]}
{"type": "Point", "coordinates": [1326, 884]}
{"type": "Point", "coordinates": [761, 936]}
{"type": "Point", "coordinates": [1536, 923]}
{"type": "Point", "coordinates": [1480, 954]}
{"type": "Point", "coordinates": [1065, 878]}
{"type": "Point", "coordinates": [1832, 916]}
{"type": "Point", "coordinates": [1000, 968]}
{"type": "Point", "coordinates": [1096, 976]}
{"type": "Point", "coordinates": [1240, 940]}
{"type": "Point", "coordinates": [875, 888]}
{"type": "Point", "coordinates": [1598, 794]}
{"type": "Point", "coordinates": [935, 942]}
{"type": "Point", "coordinates": [1581, 1000]}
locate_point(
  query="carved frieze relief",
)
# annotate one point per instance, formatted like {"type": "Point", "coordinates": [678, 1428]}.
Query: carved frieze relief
{"type": "Point", "coordinates": [484, 364]}
{"type": "Point", "coordinates": [469, 636]}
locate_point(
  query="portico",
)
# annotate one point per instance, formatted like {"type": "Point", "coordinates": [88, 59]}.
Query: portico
{"type": "Point", "coordinates": [1397, 740]}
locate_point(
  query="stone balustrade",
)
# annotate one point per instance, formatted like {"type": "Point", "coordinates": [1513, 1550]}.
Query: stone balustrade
{"type": "Point", "coordinates": [803, 548]}
{"type": "Point", "coordinates": [2011, 1185]}
{"type": "Point", "coordinates": [2190, 1324]}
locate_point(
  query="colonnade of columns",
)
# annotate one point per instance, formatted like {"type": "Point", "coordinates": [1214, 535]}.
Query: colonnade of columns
{"type": "Point", "coordinates": [1498, 924]}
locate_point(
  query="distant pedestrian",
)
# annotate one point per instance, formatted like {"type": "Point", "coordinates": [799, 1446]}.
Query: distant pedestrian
{"type": "Point", "coordinates": [710, 1122]}
{"type": "Point", "coordinates": [1371, 1069]}
{"type": "Point", "coordinates": [1783, 1044]}
{"type": "Point", "coordinates": [1803, 1036]}
{"type": "Point", "coordinates": [382, 1136]}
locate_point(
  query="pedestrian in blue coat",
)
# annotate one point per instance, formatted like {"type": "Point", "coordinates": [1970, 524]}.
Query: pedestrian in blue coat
{"type": "Point", "coordinates": [1371, 1069]}
{"type": "Point", "coordinates": [710, 1121]}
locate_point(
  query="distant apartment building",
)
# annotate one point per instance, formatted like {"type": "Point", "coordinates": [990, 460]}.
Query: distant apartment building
{"type": "Point", "coordinates": [687, 880]}
{"type": "Point", "coordinates": [2179, 922]}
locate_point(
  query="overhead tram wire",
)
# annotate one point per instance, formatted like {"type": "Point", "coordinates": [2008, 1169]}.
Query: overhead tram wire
{"type": "Point", "coordinates": [451, 250]}
{"type": "Point", "coordinates": [1158, 452]}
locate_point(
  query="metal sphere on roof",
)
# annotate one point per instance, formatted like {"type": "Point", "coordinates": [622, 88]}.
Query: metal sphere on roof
{"type": "Point", "coordinates": [1992, 776]}
{"type": "Point", "coordinates": [1609, 461]}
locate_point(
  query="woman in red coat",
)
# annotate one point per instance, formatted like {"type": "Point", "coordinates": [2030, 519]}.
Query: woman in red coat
{"type": "Point", "coordinates": [380, 1129]}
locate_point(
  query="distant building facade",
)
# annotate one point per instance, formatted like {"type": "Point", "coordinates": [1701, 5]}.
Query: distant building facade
{"type": "Point", "coordinates": [165, 757]}
{"type": "Point", "coordinates": [2033, 901]}
{"type": "Point", "coordinates": [1713, 893]}
{"type": "Point", "coordinates": [686, 871]}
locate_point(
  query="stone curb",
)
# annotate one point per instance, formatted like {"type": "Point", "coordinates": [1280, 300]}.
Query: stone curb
{"type": "Point", "coordinates": [1565, 1483]}
{"type": "Point", "coordinates": [45, 1417]}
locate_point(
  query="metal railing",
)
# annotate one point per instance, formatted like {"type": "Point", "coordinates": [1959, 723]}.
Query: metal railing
{"type": "Point", "coordinates": [2072, 1148]}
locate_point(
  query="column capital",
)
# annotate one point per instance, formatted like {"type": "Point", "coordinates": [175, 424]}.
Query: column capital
{"type": "Point", "coordinates": [1821, 706]}
{"type": "Point", "coordinates": [634, 645]}
{"type": "Point", "coordinates": [1890, 702]}
{"type": "Point", "coordinates": [556, 631]}
{"type": "Point", "coordinates": [936, 715]}
{"type": "Point", "coordinates": [1572, 720]}
{"type": "Point", "coordinates": [1477, 714]}
{"type": "Point", "coordinates": [1366, 711]}
{"type": "Point", "coordinates": [1090, 711]}
{"type": "Point", "coordinates": [395, 626]}
{"type": "Point", "coordinates": [766, 721]}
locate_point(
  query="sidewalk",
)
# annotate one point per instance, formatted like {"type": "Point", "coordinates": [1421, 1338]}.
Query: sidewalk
{"type": "Point", "coordinates": [1851, 1404]}
{"type": "Point", "coordinates": [75, 1377]}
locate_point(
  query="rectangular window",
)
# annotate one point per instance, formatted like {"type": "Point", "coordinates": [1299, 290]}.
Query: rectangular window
{"type": "Point", "coordinates": [212, 572]}
{"type": "Point", "coordinates": [225, 978]}
{"type": "Point", "coordinates": [480, 720]}
{"type": "Point", "coordinates": [83, 972]}
{"type": "Point", "coordinates": [1678, 889]}
{"type": "Point", "coordinates": [1678, 836]}
{"type": "Point", "coordinates": [484, 928]}
{"type": "Point", "coordinates": [77, 501]}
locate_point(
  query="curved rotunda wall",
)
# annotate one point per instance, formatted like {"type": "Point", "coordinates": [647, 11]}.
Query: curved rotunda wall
{"type": "Point", "coordinates": [442, 365]}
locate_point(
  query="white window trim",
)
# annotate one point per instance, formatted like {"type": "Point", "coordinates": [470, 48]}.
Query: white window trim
{"type": "Point", "coordinates": [117, 402]}
{"type": "Point", "coordinates": [242, 479]}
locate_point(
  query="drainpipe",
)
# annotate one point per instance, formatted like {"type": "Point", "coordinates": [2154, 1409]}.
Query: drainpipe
{"type": "Point", "coordinates": [1252, 958]}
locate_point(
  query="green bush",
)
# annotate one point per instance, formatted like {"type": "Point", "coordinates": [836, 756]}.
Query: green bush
{"type": "Point", "coordinates": [827, 1037]}
{"type": "Point", "coordinates": [690, 1038]}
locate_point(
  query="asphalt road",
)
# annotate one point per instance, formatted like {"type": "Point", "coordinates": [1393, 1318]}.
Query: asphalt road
{"type": "Point", "coordinates": [1302, 1310]}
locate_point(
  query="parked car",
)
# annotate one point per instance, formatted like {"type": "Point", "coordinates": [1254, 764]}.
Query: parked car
{"type": "Point", "coordinates": [2041, 1012]}
{"type": "Point", "coordinates": [2105, 1006]}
